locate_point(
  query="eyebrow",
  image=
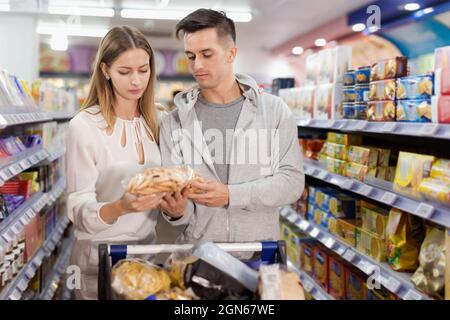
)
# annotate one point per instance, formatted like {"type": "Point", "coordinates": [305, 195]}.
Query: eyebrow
{"type": "Point", "coordinates": [187, 52]}
{"type": "Point", "coordinates": [144, 65]}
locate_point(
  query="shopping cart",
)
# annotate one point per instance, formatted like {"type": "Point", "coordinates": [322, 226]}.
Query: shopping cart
{"type": "Point", "coordinates": [269, 252]}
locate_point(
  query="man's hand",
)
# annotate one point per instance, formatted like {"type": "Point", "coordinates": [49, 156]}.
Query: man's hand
{"type": "Point", "coordinates": [174, 204]}
{"type": "Point", "coordinates": [214, 193]}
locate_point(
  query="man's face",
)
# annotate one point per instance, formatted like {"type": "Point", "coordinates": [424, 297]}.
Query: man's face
{"type": "Point", "coordinates": [210, 57]}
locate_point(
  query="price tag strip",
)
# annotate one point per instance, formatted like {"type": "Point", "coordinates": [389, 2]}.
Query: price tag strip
{"type": "Point", "coordinates": [388, 198]}
{"type": "Point", "coordinates": [412, 295]}
{"type": "Point", "coordinates": [424, 210]}
{"type": "Point", "coordinates": [429, 129]}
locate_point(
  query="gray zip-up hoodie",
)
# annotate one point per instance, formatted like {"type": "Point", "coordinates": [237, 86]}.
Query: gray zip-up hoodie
{"type": "Point", "coordinates": [267, 171]}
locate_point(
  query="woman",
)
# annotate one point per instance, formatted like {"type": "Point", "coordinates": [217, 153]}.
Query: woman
{"type": "Point", "coordinates": [114, 137]}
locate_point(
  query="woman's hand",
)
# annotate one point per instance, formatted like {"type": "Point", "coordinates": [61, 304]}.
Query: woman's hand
{"type": "Point", "coordinates": [174, 204]}
{"type": "Point", "coordinates": [131, 203]}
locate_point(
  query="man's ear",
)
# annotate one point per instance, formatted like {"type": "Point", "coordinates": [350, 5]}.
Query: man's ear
{"type": "Point", "coordinates": [232, 54]}
{"type": "Point", "coordinates": [105, 70]}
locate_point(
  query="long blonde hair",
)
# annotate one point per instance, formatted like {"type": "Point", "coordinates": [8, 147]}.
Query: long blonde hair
{"type": "Point", "coordinates": [116, 41]}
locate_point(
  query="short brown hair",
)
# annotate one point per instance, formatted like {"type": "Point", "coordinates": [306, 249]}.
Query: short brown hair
{"type": "Point", "coordinates": [207, 18]}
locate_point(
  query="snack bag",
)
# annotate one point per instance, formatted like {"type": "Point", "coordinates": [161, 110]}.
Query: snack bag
{"type": "Point", "coordinates": [160, 179]}
{"type": "Point", "coordinates": [135, 279]}
{"type": "Point", "coordinates": [404, 234]}
{"type": "Point", "coordinates": [430, 275]}
{"type": "Point", "coordinates": [411, 170]}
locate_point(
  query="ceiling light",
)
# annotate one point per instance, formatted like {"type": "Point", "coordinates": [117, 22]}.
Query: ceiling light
{"type": "Point", "coordinates": [59, 42]}
{"type": "Point", "coordinates": [412, 6]}
{"type": "Point", "coordinates": [428, 10]}
{"type": "Point", "coordinates": [358, 27]}
{"type": "Point", "coordinates": [176, 14]}
{"type": "Point", "coordinates": [373, 29]}
{"type": "Point", "coordinates": [98, 32]}
{"type": "Point", "coordinates": [297, 50]}
{"type": "Point", "coordinates": [320, 42]}
{"type": "Point", "coordinates": [82, 11]}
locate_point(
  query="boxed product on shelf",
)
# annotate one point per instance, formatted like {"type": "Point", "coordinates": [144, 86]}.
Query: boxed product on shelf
{"type": "Point", "coordinates": [415, 87]}
{"type": "Point", "coordinates": [414, 110]}
{"type": "Point", "coordinates": [442, 57]}
{"type": "Point", "coordinates": [363, 155]}
{"type": "Point", "coordinates": [362, 75]}
{"type": "Point", "coordinates": [355, 110]}
{"type": "Point", "coordinates": [336, 203]}
{"type": "Point", "coordinates": [362, 92]}
{"type": "Point", "coordinates": [374, 218]}
{"type": "Point", "coordinates": [442, 81]}
{"type": "Point", "coordinates": [307, 257]}
{"type": "Point", "coordinates": [302, 203]}
{"type": "Point", "coordinates": [333, 63]}
{"type": "Point", "coordinates": [349, 94]}
{"type": "Point", "coordinates": [33, 236]}
{"type": "Point", "coordinates": [305, 102]}
{"type": "Point", "coordinates": [285, 232]}
{"type": "Point", "coordinates": [404, 234]}
{"type": "Point", "coordinates": [440, 109]}
{"type": "Point", "coordinates": [438, 189]}
{"type": "Point", "coordinates": [355, 170]}
{"type": "Point", "coordinates": [335, 165]}
{"type": "Point", "coordinates": [383, 90]}
{"type": "Point", "coordinates": [311, 147]}
{"type": "Point", "coordinates": [344, 138]}
{"type": "Point", "coordinates": [430, 275]}
{"type": "Point", "coordinates": [336, 286]}
{"type": "Point", "coordinates": [328, 101]}
{"type": "Point", "coordinates": [355, 284]}
{"type": "Point", "coordinates": [321, 267]}
{"type": "Point", "coordinates": [312, 69]}
{"type": "Point", "coordinates": [389, 69]}
{"type": "Point", "coordinates": [327, 221]}
{"type": "Point", "coordinates": [411, 169]}
{"type": "Point", "coordinates": [372, 245]}
{"type": "Point", "coordinates": [294, 252]}
{"type": "Point", "coordinates": [335, 150]}
{"type": "Point", "coordinates": [349, 78]}
{"type": "Point", "coordinates": [441, 169]}
{"type": "Point", "coordinates": [348, 231]}
{"type": "Point", "coordinates": [381, 110]}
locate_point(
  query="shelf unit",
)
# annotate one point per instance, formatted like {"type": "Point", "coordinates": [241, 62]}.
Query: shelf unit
{"type": "Point", "coordinates": [13, 119]}
{"type": "Point", "coordinates": [398, 283]}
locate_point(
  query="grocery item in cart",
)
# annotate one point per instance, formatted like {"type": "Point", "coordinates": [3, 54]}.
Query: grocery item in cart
{"type": "Point", "coordinates": [389, 69]}
{"type": "Point", "coordinates": [381, 111]}
{"type": "Point", "coordinates": [430, 276]}
{"type": "Point", "coordinates": [404, 235]}
{"type": "Point", "coordinates": [414, 110]}
{"type": "Point", "coordinates": [278, 284]}
{"type": "Point", "coordinates": [415, 87]}
{"type": "Point", "coordinates": [382, 90]}
{"type": "Point", "coordinates": [136, 279]}
{"type": "Point", "coordinates": [162, 179]}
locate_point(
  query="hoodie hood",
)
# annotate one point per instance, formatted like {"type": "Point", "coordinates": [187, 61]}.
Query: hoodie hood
{"type": "Point", "coordinates": [186, 99]}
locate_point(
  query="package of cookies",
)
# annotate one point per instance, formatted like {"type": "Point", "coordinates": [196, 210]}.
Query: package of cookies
{"type": "Point", "coordinates": [412, 168]}
{"type": "Point", "coordinates": [404, 235]}
{"type": "Point", "coordinates": [335, 165]}
{"type": "Point", "coordinates": [415, 87]}
{"type": "Point", "coordinates": [355, 170]}
{"type": "Point", "coordinates": [441, 169]}
{"type": "Point", "coordinates": [362, 75]}
{"type": "Point", "coordinates": [333, 63]}
{"type": "Point", "coordinates": [162, 179]}
{"type": "Point", "coordinates": [335, 150]}
{"type": "Point", "coordinates": [337, 278]}
{"type": "Point", "coordinates": [389, 69]}
{"type": "Point", "coordinates": [349, 78]}
{"type": "Point", "coordinates": [348, 110]}
{"type": "Point", "coordinates": [307, 257]}
{"type": "Point", "coordinates": [328, 101]}
{"type": "Point", "coordinates": [312, 69]}
{"type": "Point", "coordinates": [355, 284]}
{"type": "Point", "coordinates": [440, 109]}
{"type": "Point", "coordinates": [413, 111]}
{"type": "Point", "coordinates": [363, 155]}
{"type": "Point", "coordinates": [372, 245]}
{"type": "Point", "coordinates": [382, 90]}
{"type": "Point", "coordinates": [321, 267]}
{"type": "Point", "coordinates": [344, 138]}
{"type": "Point", "coordinates": [338, 204]}
{"type": "Point", "coordinates": [442, 81]}
{"type": "Point", "coordinates": [436, 188]}
{"type": "Point", "coordinates": [374, 219]}
{"type": "Point", "coordinates": [360, 111]}
{"type": "Point", "coordinates": [381, 110]}
{"type": "Point", "coordinates": [349, 94]}
{"type": "Point", "coordinates": [362, 92]}
{"type": "Point", "coordinates": [348, 230]}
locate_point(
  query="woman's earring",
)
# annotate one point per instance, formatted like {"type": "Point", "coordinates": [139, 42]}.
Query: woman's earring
{"type": "Point", "coordinates": [107, 77]}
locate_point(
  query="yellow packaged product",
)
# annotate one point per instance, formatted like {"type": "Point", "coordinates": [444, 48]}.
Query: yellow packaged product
{"type": "Point", "coordinates": [356, 171]}
{"type": "Point", "coordinates": [441, 169]}
{"type": "Point", "coordinates": [374, 219]}
{"type": "Point", "coordinates": [372, 245]}
{"type": "Point", "coordinates": [335, 165]}
{"type": "Point", "coordinates": [307, 257]}
{"type": "Point", "coordinates": [335, 150]}
{"type": "Point", "coordinates": [404, 234]}
{"type": "Point", "coordinates": [412, 168]}
{"type": "Point", "coordinates": [384, 156]}
{"type": "Point", "coordinates": [391, 173]}
{"type": "Point", "coordinates": [372, 172]}
{"type": "Point", "coordinates": [363, 155]}
{"type": "Point", "coordinates": [343, 138]}
{"type": "Point", "coordinates": [294, 252]}
{"type": "Point", "coordinates": [348, 231]}
{"type": "Point", "coordinates": [436, 188]}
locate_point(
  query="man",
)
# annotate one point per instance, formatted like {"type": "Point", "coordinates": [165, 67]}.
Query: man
{"type": "Point", "coordinates": [241, 140]}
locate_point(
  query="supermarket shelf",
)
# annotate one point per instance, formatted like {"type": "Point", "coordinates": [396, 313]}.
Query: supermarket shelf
{"type": "Point", "coordinates": [17, 220]}
{"type": "Point", "coordinates": [58, 269]}
{"type": "Point", "coordinates": [310, 285]}
{"type": "Point", "coordinates": [13, 119]}
{"type": "Point", "coordinates": [432, 211]}
{"type": "Point", "coordinates": [54, 154]}
{"type": "Point", "coordinates": [15, 289]}
{"type": "Point", "coordinates": [62, 115]}
{"type": "Point", "coordinates": [396, 282]}
{"type": "Point", "coordinates": [15, 165]}
{"type": "Point", "coordinates": [430, 130]}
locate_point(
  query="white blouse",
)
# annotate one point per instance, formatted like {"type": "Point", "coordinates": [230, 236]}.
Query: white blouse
{"type": "Point", "coordinates": [99, 165]}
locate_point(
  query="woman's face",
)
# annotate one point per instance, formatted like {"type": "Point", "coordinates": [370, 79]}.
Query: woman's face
{"type": "Point", "coordinates": [130, 73]}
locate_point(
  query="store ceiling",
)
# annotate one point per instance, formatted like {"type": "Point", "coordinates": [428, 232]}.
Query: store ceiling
{"type": "Point", "coordinates": [274, 21]}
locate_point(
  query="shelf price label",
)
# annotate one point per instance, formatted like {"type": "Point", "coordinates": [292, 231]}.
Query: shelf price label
{"type": "Point", "coordinates": [329, 243]}
{"type": "Point", "coordinates": [429, 129]}
{"type": "Point", "coordinates": [329, 124]}
{"type": "Point", "coordinates": [308, 286]}
{"type": "Point", "coordinates": [322, 175]}
{"type": "Point", "coordinates": [348, 184]}
{"type": "Point", "coordinates": [366, 190]}
{"type": "Point", "coordinates": [388, 198]}
{"type": "Point", "coordinates": [314, 232]}
{"type": "Point", "coordinates": [340, 250]}
{"type": "Point", "coordinates": [412, 295]}
{"type": "Point", "coordinates": [30, 273]}
{"type": "Point", "coordinates": [424, 210]}
{"type": "Point", "coordinates": [389, 127]}
{"type": "Point", "coordinates": [349, 255]}
{"type": "Point", "coordinates": [392, 285]}
{"type": "Point", "coordinates": [303, 225]}
{"type": "Point", "coordinates": [361, 125]}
